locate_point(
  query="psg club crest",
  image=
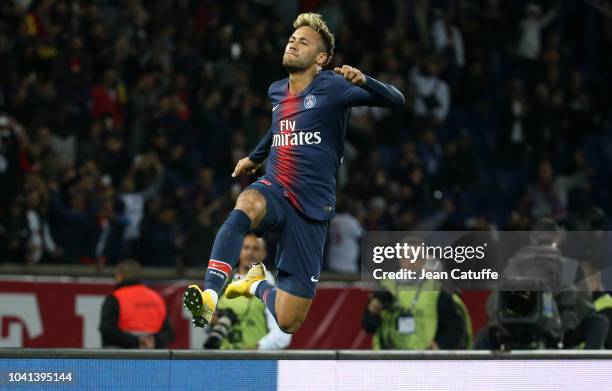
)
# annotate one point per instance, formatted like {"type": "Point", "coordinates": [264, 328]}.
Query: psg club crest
{"type": "Point", "coordinates": [310, 101]}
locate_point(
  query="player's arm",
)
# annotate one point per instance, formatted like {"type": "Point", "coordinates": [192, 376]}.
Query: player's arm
{"type": "Point", "coordinates": [367, 91]}
{"type": "Point", "coordinates": [251, 163]}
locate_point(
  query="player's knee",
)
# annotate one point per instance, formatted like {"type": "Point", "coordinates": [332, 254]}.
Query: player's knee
{"type": "Point", "coordinates": [290, 325]}
{"type": "Point", "coordinates": [253, 204]}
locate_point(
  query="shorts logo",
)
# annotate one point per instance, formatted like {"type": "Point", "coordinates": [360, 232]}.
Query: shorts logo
{"type": "Point", "coordinates": [265, 182]}
{"type": "Point", "coordinates": [310, 101]}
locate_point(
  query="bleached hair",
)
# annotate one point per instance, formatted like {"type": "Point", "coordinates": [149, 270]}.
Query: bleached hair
{"type": "Point", "coordinates": [317, 23]}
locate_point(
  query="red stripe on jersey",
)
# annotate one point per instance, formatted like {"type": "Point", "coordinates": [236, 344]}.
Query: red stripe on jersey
{"type": "Point", "coordinates": [220, 266]}
{"type": "Point", "coordinates": [286, 158]}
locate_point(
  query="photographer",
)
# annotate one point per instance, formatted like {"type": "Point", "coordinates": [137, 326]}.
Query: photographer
{"type": "Point", "coordinates": [416, 315]}
{"type": "Point", "coordinates": [245, 323]}
{"type": "Point", "coordinates": [593, 224]}
{"type": "Point", "coordinates": [556, 312]}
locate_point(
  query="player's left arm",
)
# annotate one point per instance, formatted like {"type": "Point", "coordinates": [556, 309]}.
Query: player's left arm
{"type": "Point", "coordinates": [367, 91]}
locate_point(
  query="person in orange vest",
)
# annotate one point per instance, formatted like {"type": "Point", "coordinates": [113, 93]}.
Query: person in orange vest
{"type": "Point", "coordinates": [134, 316]}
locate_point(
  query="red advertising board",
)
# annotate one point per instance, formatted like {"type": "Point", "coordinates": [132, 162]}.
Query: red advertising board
{"type": "Point", "coordinates": [65, 312]}
{"type": "Point", "coordinates": [53, 313]}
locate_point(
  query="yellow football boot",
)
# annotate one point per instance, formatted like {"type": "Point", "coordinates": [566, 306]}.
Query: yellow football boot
{"type": "Point", "coordinates": [242, 287]}
{"type": "Point", "coordinates": [200, 304]}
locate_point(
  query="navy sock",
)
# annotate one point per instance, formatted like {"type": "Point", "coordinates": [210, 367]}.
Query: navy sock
{"type": "Point", "coordinates": [267, 293]}
{"type": "Point", "coordinates": [226, 249]}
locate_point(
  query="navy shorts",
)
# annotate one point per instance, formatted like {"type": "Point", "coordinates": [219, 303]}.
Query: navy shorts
{"type": "Point", "coordinates": [299, 257]}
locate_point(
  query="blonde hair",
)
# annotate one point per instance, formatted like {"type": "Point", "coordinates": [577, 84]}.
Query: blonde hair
{"type": "Point", "coordinates": [317, 23]}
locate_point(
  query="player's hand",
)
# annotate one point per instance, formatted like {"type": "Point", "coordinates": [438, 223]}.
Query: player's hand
{"type": "Point", "coordinates": [351, 74]}
{"type": "Point", "coordinates": [245, 166]}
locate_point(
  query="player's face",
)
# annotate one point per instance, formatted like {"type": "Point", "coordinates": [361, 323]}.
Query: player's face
{"type": "Point", "coordinates": [303, 50]}
{"type": "Point", "coordinates": [253, 251]}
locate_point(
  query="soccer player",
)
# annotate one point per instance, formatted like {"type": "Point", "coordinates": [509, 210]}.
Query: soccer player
{"type": "Point", "coordinates": [296, 196]}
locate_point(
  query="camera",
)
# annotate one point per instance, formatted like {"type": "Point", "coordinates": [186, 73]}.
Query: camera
{"type": "Point", "coordinates": [529, 318]}
{"type": "Point", "coordinates": [221, 328]}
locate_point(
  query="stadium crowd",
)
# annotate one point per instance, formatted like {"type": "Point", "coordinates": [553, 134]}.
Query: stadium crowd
{"type": "Point", "coordinates": [121, 121]}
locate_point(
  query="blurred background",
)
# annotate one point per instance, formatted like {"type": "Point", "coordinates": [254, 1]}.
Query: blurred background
{"type": "Point", "coordinates": [121, 122]}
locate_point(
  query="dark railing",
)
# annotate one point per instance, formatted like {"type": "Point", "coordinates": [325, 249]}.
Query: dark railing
{"type": "Point", "coordinates": [111, 354]}
{"type": "Point", "coordinates": [148, 272]}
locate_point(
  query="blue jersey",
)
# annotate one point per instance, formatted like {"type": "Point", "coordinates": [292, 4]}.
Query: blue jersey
{"type": "Point", "coordinates": [305, 142]}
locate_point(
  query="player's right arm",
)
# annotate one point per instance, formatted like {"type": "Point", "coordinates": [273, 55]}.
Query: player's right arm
{"type": "Point", "coordinates": [251, 163]}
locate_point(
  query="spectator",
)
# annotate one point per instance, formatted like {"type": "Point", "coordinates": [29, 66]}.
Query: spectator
{"type": "Point", "coordinates": [14, 232]}
{"type": "Point", "coordinates": [134, 316]}
{"type": "Point", "coordinates": [343, 242]}
{"type": "Point", "coordinates": [199, 238]}
{"type": "Point", "coordinates": [531, 27]}
{"type": "Point", "coordinates": [103, 234]}
{"type": "Point", "coordinates": [108, 98]}
{"type": "Point", "coordinates": [494, 32]}
{"type": "Point", "coordinates": [512, 140]}
{"type": "Point", "coordinates": [147, 169]}
{"type": "Point", "coordinates": [430, 94]}
{"type": "Point", "coordinates": [447, 39]}
{"type": "Point", "coordinates": [161, 239]}
{"type": "Point", "coordinates": [548, 195]}
{"type": "Point", "coordinates": [39, 240]}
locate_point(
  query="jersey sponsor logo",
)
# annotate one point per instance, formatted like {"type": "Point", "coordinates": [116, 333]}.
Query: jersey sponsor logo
{"type": "Point", "coordinates": [297, 138]}
{"type": "Point", "coordinates": [287, 125]}
{"type": "Point", "coordinates": [310, 101]}
{"type": "Point", "coordinates": [289, 135]}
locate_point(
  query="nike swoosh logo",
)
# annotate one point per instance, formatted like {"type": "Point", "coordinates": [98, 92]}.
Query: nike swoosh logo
{"type": "Point", "coordinates": [274, 108]}
{"type": "Point", "coordinates": [313, 279]}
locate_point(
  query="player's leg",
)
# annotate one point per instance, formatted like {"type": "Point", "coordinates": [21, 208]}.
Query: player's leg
{"type": "Point", "coordinates": [299, 261]}
{"type": "Point", "coordinates": [249, 211]}
{"type": "Point", "coordinates": [289, 309]}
